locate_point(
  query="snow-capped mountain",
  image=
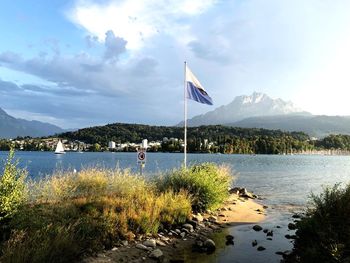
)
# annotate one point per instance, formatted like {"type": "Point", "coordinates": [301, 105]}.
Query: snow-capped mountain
{"type": "Point", "coordinates": [242, 107]}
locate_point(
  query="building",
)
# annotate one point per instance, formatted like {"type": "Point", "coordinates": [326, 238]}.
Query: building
{"type": "Point", "coordinates": [111, 145]}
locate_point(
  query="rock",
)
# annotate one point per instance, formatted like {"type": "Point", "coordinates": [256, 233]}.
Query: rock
{"type": "Point", "coordinates": [150, 243]}
{"type": "Point", "coordinates": [254, 243]}
{"type": "Point", "coordinates": [160, 243]}
{"type": "Point", "coordinates": [234, 190]}
{"type": "Point", "coordinates": [292, 226]}
{"type": "Point", "coordinates": [114, 249]}
{"type": "Point", "coordinates": [265, 207]}
{"type": "Point", "coordinates": [269, 238]}
{"type": "Point", "coordinates": [296, 216]}
{"type": "Point", "coordinates": [222, 215]}
{"type": "Point", "coordinates": [229, 238]}
{"type": "Point", "coordinates": [290, 236]}
{"type": "Point", "coordinates": [183, 234]}
{"type": "Point", "coordinates": [143, 247]}
{"type": "Point", "coordinates": [265, 230]}
{"type": "Point", "coordinates": [278, 226]}
{"type": "Point", "coordinates": [189, 227]}
{"type": "Point", "coordinates": [178, 231]}
{"type": "Point", "coordinates": [156, 254]}
{"type": "Point", "coordinates": [279, 253]}
{"type": "Point", "coordinates": [209, 245]}
{"type": "Point", "coordinates": [193, 223]}
{"type": "Point", "coordinates": [257, 228]}
{"type": "Point", "coordinates": [124, 242]}
{"type": "Point", "coordinates": [269, 234]}
{"type": "Point", "coordinates": [260, 248]}
{"type": "Point", "coordinates": [213, 219]}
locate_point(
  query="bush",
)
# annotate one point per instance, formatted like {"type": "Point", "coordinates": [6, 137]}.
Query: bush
{"type": "Point", "coordinates": [12, 188]}
{"type": "Point", "coordinates": [207, 184]}
{"type": "Point", "coordinates": [323, 234]}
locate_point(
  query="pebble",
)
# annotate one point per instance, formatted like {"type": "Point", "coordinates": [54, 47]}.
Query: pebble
{"type": "Point", "coordinates": [254, 243]}
{"type": "Point", "coordinates": [150, 243]}
{"type": "Point", "coordinates": [210, 245]}
{"type": "Point", "coordinates": [257, 228]}
{"type": "Point", "coordinates": [292, 226]}
{"type": "Point", "coordinates": [140, 246]}
{"type": "Point", "coordinates": [229, 238]}
{"type": "Point", "coordinates": [156, 254]}
{"type": "Point", "coordinates": [261, 248]}
{"type": "Point", "coordinates": [189, 227]}
{"type": "Point", "coordinates": [161, 243]}
{"type": "Point", "coordinates": [212, 219]}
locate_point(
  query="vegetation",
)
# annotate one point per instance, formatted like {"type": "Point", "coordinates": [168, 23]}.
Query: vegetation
{"type": "Point", "coordinates": [68, 215]}
{"type": "Point", "coordinates": [323, 235]}
{"type": "Point", "coordinates": [206, 183]}
{"type": "Point", "coordinates": [12, 188]}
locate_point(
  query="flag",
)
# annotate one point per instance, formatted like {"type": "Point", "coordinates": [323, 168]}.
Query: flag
{"type": "Point", "coordinates": [195, 90]}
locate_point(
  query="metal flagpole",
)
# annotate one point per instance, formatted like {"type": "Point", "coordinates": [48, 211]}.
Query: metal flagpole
{"type": "Point", "coordinates": [185, 116]}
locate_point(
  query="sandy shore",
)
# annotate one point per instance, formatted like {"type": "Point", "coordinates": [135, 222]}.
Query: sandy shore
{"type": "Point", "coordinates": [175, 248]}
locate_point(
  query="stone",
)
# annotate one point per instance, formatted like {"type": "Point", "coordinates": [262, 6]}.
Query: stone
{"type": "Point", "coordinates": [178, 231]}
{"type": "Point", "coordinates": [260, 248]}
{"type": "Point", "coordinates": [269, 234]}
{"type": "Point", "coordinates": [278, 226]}
{"type": "Point", "coordinates": [212, 219]}
{"type": "Point", "coordinates": [222, 215]}
{"type": "Point", "coordinates": [257, 228]}
{"type": "Point", "coordinates": [124, 242]}
{"type": "Point", "coordinates": [296, 216]}
{"type": "Point", "coordinates": [160, 243]}
{"type": "Point", "coordinates": [290, 236]}
{"type": "Point", "coordinates": [183, 234]}
{"type": "Point", "coordinates": [269, 238]}
{"type": "Point", "coordinates": [209, 245]}
{"type": "Point", "coordinates": [254, 243]}
{"type": "Point", "coordinates": [193, 223]}
{"type": "Point", "coordinates": [150, 243]}
{"type": "Point", "coordinates": [229, 238]}
{"type": "Point", "coordinates": [143, 247]}
{"type": "Point", "coordinates": [265, 207]}
{"type": "Point", "coordinates": [189, 227]}
{"type": "Point", "coordinates": [292, 226]}
{"type": "Point", "coordinates": [156, 254]}
{"type": "Point", "coordinates": [114, 249]}
{"type": "Point", "coordinates": [265, 230]}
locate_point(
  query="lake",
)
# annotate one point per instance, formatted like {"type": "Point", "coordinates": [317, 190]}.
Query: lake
{"type": "Point", "coordinates": [283, 181]}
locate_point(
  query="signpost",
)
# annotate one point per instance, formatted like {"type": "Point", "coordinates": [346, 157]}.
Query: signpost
{"type": "Point", "coordinates": [141, 155]}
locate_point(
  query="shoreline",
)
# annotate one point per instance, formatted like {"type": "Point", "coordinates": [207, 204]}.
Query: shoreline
{"type": "Point", "coordinates": [176, 244]}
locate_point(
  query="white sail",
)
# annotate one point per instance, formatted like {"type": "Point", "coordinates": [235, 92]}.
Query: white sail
{"type": "Point", "coordinates": [59, 148]}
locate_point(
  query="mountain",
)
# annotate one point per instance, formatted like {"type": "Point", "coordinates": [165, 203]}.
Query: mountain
{"type": "Point", "coordinates": [257, 104]}
{"type": "Point", "coordinates": [317, 126]}
{"type": "Point", "coordinates": [11, 127]}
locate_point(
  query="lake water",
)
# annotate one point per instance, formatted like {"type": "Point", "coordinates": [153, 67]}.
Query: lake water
{"type": "Point", "coordinates": [283, 181]}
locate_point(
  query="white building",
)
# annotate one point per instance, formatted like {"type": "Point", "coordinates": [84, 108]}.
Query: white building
{"type": "Point", "coordinates": [111, 145]}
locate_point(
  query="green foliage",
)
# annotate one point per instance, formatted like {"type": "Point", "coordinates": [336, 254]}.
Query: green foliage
{"type": "Point", "coordinates": [207, 184]}
{"type": "Point", "coordinates": [323, 235]}
{"type": "Point", "coordinates": [12, 188]}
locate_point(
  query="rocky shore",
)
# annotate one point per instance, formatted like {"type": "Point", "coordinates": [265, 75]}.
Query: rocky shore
{"type": "Point", "coordinates": [173, 244]}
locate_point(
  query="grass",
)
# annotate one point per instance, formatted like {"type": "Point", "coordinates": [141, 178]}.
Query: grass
{"type": "Point", "coordinates": [323, 234]}
{"type": "Point", "coordinates": [70, 215]}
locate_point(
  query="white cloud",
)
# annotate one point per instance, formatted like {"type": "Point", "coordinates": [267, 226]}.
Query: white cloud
{"type": "Point", "coordinates": [134, 20]}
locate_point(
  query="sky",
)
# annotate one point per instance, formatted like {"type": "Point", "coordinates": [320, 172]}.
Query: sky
{"type": "Point", "coordinates": [80, 63]}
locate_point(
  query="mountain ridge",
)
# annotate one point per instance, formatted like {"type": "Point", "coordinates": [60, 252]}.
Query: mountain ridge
{"type": "Point", "coordinates": [11, 127]}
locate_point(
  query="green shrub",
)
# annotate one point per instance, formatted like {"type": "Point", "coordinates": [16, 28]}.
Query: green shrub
{"type": "Point", "coordinates": [323, 234]}
{"type": "Point", "coordinates": [206, 183]}
{"type": "Point", "coordinates": [12, 188]}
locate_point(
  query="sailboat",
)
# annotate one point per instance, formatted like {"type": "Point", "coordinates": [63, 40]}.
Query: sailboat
{"type": "Point", "coordinates": [59, 148]}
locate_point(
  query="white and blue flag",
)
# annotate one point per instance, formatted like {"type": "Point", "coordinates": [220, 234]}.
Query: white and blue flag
{"type": "Point", "coordinates": [195, 90]}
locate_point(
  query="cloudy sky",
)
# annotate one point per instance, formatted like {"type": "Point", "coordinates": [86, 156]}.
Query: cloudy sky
{"type": "Point", "coordinates": [79, 63]}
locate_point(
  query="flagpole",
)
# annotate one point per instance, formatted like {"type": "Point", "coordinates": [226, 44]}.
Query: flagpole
{"type": "Point", "coordinates": [185, 117]}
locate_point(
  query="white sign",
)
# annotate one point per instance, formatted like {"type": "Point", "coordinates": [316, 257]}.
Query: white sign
{"type": "Point", "coordinates": [141, 156]}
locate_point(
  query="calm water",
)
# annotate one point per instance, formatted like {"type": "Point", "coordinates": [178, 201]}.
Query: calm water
{"type": "Point", "coordinates": [284, 182]}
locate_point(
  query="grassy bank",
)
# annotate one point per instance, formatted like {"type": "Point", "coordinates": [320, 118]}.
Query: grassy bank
{"type": "Point", "coordinates": [69, 215]}
{"type": "Point", "coordinates": [323, 234]}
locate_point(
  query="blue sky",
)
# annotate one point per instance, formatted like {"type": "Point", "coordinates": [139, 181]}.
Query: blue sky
{"type": "Point", "coordinates": [82, 62]}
